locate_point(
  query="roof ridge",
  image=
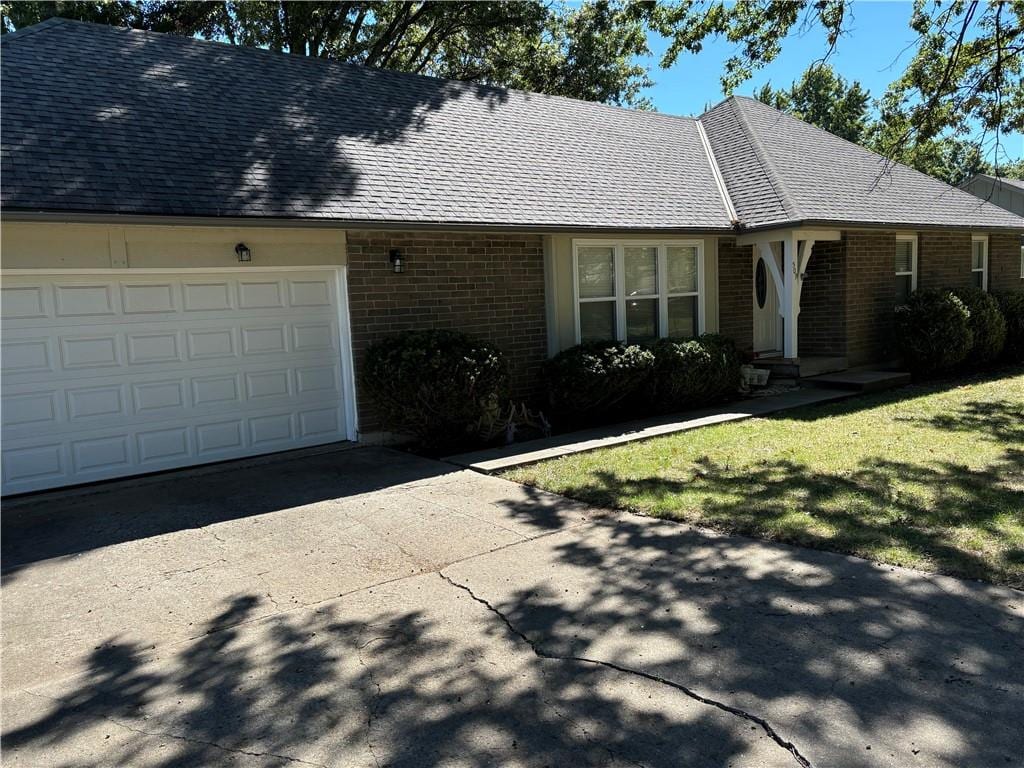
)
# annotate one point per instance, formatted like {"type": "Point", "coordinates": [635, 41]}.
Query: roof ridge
{"type": "Point", "coordinates": [716, 172]}
{"type": "Point", "coordinates": [39, 26]}
{"type": "Point", "coordinates": [773, 176]}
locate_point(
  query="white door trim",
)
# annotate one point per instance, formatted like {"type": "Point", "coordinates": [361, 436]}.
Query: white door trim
{"type": "Point", "coordinates": [348, 368]}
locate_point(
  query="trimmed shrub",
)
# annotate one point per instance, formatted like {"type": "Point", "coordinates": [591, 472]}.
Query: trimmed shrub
{"type": "Point", "coordinates": [596, 380]}
{"type": "Point", "coordinates": [988, 327]}
{"type": "Point", "coordinates": [933, 331]}
{"type": "Point", "coordinates": [435, 385]}
{"type": "Point", "coordinates": [1011, 304]}
{"type": "Point", "coordinates": [694, 372]}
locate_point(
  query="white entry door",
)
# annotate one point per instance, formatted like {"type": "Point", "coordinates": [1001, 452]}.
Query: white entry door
{"type": "Point", "coordinates": [767, 320]}
{"type": "Point", "coordinates": [113, 374]}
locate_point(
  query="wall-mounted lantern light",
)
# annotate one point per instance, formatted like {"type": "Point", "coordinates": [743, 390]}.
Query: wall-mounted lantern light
{"type": "Point", "coordinates": [397, 262]}
{"type": "Point", "coordinates": [244, 254]}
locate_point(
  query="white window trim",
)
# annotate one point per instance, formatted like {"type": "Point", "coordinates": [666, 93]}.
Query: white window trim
{"type": "Point", "coordinates": [912, 239]}
{"type": "Point", "coordinates": [1022, 262]}
{"type": "Point", "coordinates": [662, 296]}
{"type": "Point", "coordinates": [984, 260]}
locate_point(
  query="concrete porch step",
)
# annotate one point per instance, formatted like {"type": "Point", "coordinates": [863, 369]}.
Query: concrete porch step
{"type": "Point", "coordinates": [860, 381]}
{"type": "Point", "coordinates": [801, 367]}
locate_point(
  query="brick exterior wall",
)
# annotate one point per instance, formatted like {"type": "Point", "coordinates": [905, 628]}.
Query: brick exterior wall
{"type": "Point", "coordinates": [849, 295]}
{"type": "Point", "coordinates": [735, 293]}
{"type": "Point", "coordinates": [1004, 263]}
{"type": "Point", "coordinates": [490, 285]}
{"type": "Point", "coordinates": [822, 322]}
{"type": "Point", "coordinates": [943, 259]}
{"type": "Point", "coordinates": [870, 295]}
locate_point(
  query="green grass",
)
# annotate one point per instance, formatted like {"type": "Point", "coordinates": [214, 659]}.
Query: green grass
{"type": "Point", "coordinates": [927, 476]}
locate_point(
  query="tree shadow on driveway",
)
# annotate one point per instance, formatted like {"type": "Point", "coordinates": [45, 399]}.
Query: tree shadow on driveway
{"type": "Point", "coordinates": [389, 688]}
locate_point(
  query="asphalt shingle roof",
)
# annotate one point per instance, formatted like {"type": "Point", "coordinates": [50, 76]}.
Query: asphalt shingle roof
{"type": "Point", "coordinates": [819, 177]}
{"type": "Point", "coordinates": [111, 121]}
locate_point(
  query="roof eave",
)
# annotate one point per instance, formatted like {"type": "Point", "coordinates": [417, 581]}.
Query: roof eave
{"type": "Point", "coordinates": [89, 217]}
{"type": "Point", "coordinates": [875, 225]}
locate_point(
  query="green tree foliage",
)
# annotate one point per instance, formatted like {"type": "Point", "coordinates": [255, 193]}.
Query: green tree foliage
{"type": "Point", "coordinates": [823, 98]}
{"type": "Point", "coordinates": [961, 88]}
{"type": "Point", "coordinates": [588, 52]}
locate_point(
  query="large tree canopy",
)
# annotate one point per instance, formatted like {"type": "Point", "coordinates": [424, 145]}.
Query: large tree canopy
{"type": "Point", "coordinates": [962, 82]}
{"type": "Point", "coordinates": [825, 99]}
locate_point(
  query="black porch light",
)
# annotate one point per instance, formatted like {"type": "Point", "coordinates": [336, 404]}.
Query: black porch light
{"type": "Point", "coordinates": [397, 262]}
{"type": "Point", "coordinates": [244, 254]}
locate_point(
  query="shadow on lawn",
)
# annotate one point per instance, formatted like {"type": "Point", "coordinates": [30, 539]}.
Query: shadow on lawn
{"type": "Point", "coordinates": [1001, 421]}
{"type": "Point", "coordinates": [861, 512]}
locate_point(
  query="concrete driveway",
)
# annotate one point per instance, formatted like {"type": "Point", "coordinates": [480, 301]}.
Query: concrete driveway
{"type": "Point", "coordinates": [370, 608]}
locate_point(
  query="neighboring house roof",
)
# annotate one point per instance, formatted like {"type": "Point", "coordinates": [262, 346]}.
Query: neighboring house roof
{"type": "Point", "coordinates": [998, 190]}
{"type": "Point", "coordinates": [110, 121]}
{"type": "Point", "coordinates": [1016, 184]}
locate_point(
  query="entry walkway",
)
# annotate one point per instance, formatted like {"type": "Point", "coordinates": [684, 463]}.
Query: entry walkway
{"type": "Point", "coordinates": [517, 454]}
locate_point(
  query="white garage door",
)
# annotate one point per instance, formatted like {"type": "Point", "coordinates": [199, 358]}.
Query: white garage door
{"type": "Point", "coordinates": [119, 374]}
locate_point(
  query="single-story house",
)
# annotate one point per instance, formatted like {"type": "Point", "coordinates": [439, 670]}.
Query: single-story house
{"type": "Point", "coordinates": [199, 241]}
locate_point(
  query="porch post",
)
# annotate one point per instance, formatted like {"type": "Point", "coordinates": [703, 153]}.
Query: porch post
{"type": "Point", "coordinates": [790, 295]}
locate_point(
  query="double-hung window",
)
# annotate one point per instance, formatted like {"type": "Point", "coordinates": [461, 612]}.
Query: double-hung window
{"type": "Point", "coordinates": [979, 262]}
{"type": "Point", "coordinates": [906, 267]}
{"type": "Point", "coordinates": [637, 291]}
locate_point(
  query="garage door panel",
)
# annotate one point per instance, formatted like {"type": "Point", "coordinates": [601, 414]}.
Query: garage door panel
{"type": "Point", "coordinates": [77, 301]}
{"type": "Point", "coordinates": [110, 377]}
{"type": "Point", "coordinates": [27, 358]}
{"type": "Point", "coordinates": [26, 302]}
{"type": "Point", "coordinates": [149, 298]}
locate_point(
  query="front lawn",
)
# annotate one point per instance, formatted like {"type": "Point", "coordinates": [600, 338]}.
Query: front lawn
{"type": "Point", "coordinates": [928, 476]}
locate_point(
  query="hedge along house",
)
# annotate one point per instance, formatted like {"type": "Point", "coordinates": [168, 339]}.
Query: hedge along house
{"type": "Point", "coordinates": [199, 241]}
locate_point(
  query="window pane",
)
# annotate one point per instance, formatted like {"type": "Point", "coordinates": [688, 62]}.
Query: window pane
{"type": "Point", "coordinates": [978, 254]}
{"type": "Point", "coordinates": [596, 271]}
{"type": "Point", "coordinates": [641, 320]}
{"type": "Point", "coordinates": [682, 317]}
{"type": "Point", "coordinates": [682, 269]}
{"type": "Point", "coordinates": [641, 265]}
{"type": "Point", "coordinates": [903, 289]}
{"type": "Point", "coordinates": [597, 321]}
{"type": "Point", "coordinates": [977, 280]}
{"type": "Point", "coordinates": [904, 256]}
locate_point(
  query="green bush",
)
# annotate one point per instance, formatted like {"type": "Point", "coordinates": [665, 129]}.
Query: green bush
{"type": "Point", "coordinates": [1012, 307]}
{"type": "Point", "coordinates": [596, 381]}
{"type": "Point", "coordinates": [435, 385]}
{"type": "Point", "coordinates": [988, 327]}
{"type": "Point", "coordinates": [933, 331]}
{"type": "Point", "coordinates": [695, 372]}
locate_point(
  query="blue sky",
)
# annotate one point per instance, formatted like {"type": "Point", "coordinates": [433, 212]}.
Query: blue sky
{"type": "Point", "coordinates": [873, 53]}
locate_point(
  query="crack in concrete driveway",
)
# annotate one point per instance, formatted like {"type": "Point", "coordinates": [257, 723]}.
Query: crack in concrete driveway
{"type": "Point", "coordinates": [539, 651]}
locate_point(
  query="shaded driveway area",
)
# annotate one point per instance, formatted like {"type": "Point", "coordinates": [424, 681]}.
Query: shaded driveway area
{"type": "Point", "coordinates": [371, 608]}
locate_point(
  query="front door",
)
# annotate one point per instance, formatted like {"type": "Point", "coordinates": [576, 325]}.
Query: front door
{"type": "Point", "coordinates": [767, 320]}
